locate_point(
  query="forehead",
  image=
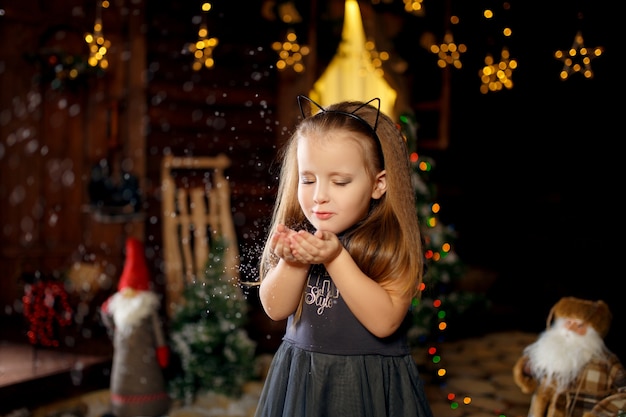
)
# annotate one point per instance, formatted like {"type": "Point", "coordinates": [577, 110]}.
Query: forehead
{"type": "Point", "coordinates": [336, 152]}
{"type": "Point", "coordinates": [332, 142]}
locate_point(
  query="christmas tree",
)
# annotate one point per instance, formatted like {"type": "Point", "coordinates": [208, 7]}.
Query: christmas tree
{"type": "Point", "coordinates": [441, 302]}
{"type": "Point", "coordinates": [208, 336]}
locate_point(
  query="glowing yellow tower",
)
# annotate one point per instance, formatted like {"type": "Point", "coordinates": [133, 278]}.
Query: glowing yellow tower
{"type": "Point", "coordinates": [352, 73]}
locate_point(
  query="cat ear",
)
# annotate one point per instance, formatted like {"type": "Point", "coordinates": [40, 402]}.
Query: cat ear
{"type": "Point", "coordinates": [377, 112]}
{"type": "Point", "coordinates": [303, 100]}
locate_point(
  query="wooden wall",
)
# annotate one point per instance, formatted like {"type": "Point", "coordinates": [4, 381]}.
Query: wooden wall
{"type": "Point", "coordinates": [147, 104]}
{"type": "Point", "coordinates": [54, 129]}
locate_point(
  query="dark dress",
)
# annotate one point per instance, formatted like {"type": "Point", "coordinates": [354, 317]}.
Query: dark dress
{"type": "Point", "coordinates": [330, 365]}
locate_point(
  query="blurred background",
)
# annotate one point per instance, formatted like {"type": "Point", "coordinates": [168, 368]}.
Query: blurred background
{"type": "Point", "coordinates": [523, 165]}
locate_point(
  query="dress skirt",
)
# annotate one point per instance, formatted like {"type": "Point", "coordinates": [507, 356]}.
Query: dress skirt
{"type": "Point", "coordinates": [301, 383]}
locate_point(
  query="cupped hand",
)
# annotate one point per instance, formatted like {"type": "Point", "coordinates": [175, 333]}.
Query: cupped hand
{"type": "Point", "coordinates": [317, 248]}
{"type": "Point", "coordinates": [280, 243]}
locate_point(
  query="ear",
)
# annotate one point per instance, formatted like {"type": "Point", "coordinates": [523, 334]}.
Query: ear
{"type": "Point", "coordinates": [380, 185]}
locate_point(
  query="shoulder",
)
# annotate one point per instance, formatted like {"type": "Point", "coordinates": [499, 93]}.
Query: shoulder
{"type": "Point", "coordinates": [607, 363]}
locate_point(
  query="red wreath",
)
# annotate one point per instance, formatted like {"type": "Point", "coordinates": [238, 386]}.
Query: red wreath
{"type": "Point", "coordinates": [46, 308]}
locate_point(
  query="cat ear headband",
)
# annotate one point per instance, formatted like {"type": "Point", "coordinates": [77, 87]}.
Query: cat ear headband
{"type": "Point", "coordinates": [353, 115]}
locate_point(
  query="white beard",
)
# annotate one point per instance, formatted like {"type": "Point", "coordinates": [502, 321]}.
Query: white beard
{"type": "Point", "coordinates": [560, 354]}
{"type": "Point", "coordinates": [128, 311]}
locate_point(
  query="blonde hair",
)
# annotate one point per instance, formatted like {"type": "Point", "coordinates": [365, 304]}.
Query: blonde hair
{"type": "Point", "coordinates": [396, 252]}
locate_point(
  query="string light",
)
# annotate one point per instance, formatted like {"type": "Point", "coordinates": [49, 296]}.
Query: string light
{"type": "Point", "coordinates": [376, 58]}
{"type": "Point", "coordinates": [496, 76]}
{"type": "Point", "coordinates": [414, 7]}
{"type": "Point", "coordinates": [577, 58]}
{"type": "Point", "coordinates": [290, 53]}
{"type": "Point", "coordinates": [202, 49]}
{"type": "Point", "coordinates": [98, 45]}
{"type": "Point", "coordinates": [449, 53]}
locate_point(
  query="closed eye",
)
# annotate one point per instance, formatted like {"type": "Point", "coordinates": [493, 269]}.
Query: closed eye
{"type": "Point", "coordinates": [307, 180]}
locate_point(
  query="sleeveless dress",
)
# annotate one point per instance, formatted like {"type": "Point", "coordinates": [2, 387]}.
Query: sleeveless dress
{"type": "Point", "coordinates": [330, 365]}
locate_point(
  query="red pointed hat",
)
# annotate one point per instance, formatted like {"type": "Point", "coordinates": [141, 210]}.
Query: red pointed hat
{"type": "Point", "coordinates": [135, 273]}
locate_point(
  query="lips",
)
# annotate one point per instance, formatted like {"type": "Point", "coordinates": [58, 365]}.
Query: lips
{"type": "Point", "coordinates": [322, 215]}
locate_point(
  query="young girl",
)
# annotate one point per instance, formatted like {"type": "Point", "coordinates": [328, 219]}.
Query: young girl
{"type": "Point", "coordinates": [342, 263]}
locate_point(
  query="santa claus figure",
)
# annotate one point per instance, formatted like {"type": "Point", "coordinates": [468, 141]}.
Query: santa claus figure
{"type": "Point", "coordinates": [140, 352]}
{"type": "Point", "coordinates": [569, 371]}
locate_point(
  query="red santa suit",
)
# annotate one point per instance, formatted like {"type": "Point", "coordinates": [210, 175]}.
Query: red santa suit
{"type": "Point", "coordinates": [138, 385]}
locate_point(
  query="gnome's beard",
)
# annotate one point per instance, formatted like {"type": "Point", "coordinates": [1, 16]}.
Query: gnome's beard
{"type": "Point", "coordinates": [128, 311]}
{"type": "Point", "coordinates": [560, 354]}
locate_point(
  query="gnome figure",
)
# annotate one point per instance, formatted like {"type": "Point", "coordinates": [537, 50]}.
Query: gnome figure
{"type": "Point", "coordinates": [568, 370]}
{"type": "Point", "coordinates": [140, 352]}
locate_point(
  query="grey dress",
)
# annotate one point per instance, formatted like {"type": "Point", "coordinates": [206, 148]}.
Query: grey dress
{"type": "Point", "coordinates": [330, 365]}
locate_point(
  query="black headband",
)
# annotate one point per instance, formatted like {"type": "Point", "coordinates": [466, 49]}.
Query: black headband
{"type": "Point", "coordinates": [353, 115]}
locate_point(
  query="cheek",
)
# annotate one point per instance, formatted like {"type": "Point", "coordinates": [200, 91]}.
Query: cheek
{"type": "Point", "coordinates": [302, 196]}
{"type": "Point", "coordinates": [581, 330]}
{"type": "Point", "coordinates": [357, 201]}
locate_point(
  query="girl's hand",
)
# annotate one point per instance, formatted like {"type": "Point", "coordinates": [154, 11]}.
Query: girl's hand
{"type": "Point", "coordinates": [281, 287]}
{"type": "Point", "coordinates": [280, 243]}
{"type": "Point", "coordinates": [318, 248]}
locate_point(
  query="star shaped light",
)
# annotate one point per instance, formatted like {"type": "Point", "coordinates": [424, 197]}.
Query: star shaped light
{"type": "Point", "coordinates": [290, 53]}
{"type": "Point", "coordinates": [577, 58]}
{"type": "Point", "coordinates": [202, 49]}
{"type": "Point", "coordinates": [448, 53]}
{"type": "Point", "coordinates": [98, 45]}
{"type": "Point", "coordinates": [496, 76]}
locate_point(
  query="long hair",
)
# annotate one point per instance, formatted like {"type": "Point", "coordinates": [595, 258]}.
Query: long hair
{"type": "Point", "coordinates": [386, 244]}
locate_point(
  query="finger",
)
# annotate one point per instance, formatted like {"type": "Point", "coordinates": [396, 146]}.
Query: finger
{"type": "Point", "coordinates": [310, 244]}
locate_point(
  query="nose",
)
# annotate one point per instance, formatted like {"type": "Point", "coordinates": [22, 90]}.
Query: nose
{"type": "Point", "coordinates": [576, 326]}
{"type": "Point", "coordinates": [321, 194]}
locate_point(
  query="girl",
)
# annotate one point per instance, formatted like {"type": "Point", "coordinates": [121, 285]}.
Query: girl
{"type": "Point", "coordinates": [342, 263]}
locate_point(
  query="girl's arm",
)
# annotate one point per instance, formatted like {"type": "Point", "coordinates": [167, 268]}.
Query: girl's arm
{"type": "Point", "coordinates": [281, 289]}
{"type": "Point", "coordinates": [380, 309]}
